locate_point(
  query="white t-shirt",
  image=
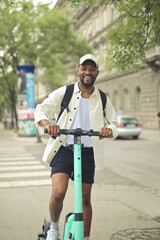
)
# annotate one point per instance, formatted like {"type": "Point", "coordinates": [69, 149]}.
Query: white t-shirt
{"type": "Point", "coordinates": [82, 121]}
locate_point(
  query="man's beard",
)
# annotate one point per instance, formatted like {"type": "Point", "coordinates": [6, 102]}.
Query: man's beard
{"type": "Point", "coordinates": [88, 85]}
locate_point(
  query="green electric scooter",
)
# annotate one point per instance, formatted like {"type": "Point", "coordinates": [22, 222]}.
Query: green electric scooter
{"type": "Point", "coordinates": [74, 225]}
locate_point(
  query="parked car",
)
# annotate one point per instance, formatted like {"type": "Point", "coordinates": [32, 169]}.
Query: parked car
{"type": "Point", "coordinates": [129, 126]}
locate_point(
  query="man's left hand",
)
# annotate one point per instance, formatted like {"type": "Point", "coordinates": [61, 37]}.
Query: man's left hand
{"type": "Point", "coordinates": [107, 132]}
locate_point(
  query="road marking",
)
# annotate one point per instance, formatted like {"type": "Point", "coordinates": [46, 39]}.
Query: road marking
{"type": "Point", "coordinates": [16, 158]}
{"type": "Point", "coordinates": [8, 150]}
{"type": "Point", "coordinates": [11, 148]}
{"type": "Point", "coordinates": [27, 162]}
{"type": "Point", "coordinates": [15, 155]}
{"type": "Point", "coordinates": [20, 168]}
{"type": "Point", "coordinates": [24, 174]}
{"type": "Point", "coordinates": [44, 182]}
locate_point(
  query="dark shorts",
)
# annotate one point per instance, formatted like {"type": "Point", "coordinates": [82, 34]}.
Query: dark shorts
{"type": "Point", "coordinates": [63, 163]}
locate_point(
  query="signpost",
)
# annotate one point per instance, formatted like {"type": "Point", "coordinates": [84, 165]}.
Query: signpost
{"type": "Point", "coordinates": [26, 101]}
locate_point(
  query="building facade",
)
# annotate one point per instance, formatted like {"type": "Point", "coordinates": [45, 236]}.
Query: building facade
{"type": "Point", "coordinates": [133, 93]}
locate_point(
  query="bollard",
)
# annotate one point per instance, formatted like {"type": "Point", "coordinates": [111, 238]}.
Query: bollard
{"type": "Point", "coordinates": [38, 137]}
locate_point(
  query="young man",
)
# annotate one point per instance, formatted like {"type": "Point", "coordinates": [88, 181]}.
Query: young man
{"type": "Point", "coordinates": [85, 112]}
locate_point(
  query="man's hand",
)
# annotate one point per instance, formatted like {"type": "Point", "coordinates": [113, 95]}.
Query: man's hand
{"type": "Point", "coordinates": [52, 129]}
{"type": "Point", "coordinates": [107, 132]}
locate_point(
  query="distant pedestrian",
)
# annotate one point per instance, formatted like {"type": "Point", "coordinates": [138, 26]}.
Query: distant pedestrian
{"type": "Point", "coordinates": [158, 120]}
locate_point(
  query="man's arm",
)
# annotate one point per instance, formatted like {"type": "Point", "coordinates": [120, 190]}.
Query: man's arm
{"type": "Point", "coordinates": [45, 111]}
{"type": "Point", "coordinates": [110, 129]}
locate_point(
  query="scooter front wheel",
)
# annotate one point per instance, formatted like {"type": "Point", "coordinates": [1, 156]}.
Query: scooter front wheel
{"type": "Point", "coordinates": [46, 226]}
{"type": "Point", "coordinates": [41, 236]}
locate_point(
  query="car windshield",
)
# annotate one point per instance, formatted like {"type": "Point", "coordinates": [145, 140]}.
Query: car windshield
{"type": "Point", "coordinates": [129, 120]}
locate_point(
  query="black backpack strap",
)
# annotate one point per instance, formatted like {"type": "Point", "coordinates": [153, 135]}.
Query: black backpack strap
{"type": "Point", "coordinates": [104, 101]}
{"type": "Point", "coordinates": [66, 99]}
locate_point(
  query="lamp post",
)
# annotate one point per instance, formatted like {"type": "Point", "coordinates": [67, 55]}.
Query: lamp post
{"type": "Point", "coordinates": [37, 65]}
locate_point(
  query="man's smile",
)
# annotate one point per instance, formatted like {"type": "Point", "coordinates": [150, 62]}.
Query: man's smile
{"type": "Point", "coordinates": [88, 77]}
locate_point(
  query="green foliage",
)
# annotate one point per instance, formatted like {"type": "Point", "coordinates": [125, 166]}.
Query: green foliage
{"type": "Point", "coordinates": [136, 30]}
{"type": "Point", "coordinates": [59, 45]}
{"type": "Point", "coordinates": [8, 90]}
{"type": "Point", "coordinates": [28, 32]}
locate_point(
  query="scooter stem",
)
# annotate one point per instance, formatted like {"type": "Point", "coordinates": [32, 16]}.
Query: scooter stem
{"type": "Point", "coordinates": [79, 234]}
{"type": "Point", "coordinates": [77, 175]}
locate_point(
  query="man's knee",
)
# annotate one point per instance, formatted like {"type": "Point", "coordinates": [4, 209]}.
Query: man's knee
{"type": "Point", "coordinates": [86, 194]}
{"type": "Point", "coordinates": [58, 195]}
{"type": "Point", "coordinates": [86, 200]}
{"type": "Point", "coordinates": [59, 186]}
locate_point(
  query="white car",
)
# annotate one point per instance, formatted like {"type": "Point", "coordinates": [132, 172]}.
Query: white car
{"type": "Point", "coordinates": [129, 126]}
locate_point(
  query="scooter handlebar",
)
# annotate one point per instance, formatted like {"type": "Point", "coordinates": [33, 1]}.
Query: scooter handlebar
{"type": "Point", "coordinates": [77, 132]}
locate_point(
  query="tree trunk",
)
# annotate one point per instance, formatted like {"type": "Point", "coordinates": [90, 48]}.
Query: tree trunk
{"type": "Point", "coordinates": [12, 118]}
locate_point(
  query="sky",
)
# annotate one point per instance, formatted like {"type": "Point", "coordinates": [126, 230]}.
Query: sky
{"type": "Point", "coordinates": [46, 1]}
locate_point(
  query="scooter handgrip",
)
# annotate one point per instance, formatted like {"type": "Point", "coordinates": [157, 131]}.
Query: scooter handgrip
{"type": "Point", "coordinates": [45, 130]}
{"type": "Point", "coordinates": [54, 137]}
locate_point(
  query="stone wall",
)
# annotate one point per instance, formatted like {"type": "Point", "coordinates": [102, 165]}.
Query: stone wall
{"type": "Point", "coordinates": [147, 105]}
{"type": "Point", "coordinates": [137, 93]}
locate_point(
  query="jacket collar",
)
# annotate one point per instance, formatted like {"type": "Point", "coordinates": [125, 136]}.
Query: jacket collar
{"type": "Point", "coordinates": [95, 92]}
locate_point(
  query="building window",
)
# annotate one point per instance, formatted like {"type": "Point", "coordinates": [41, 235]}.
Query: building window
{"type": "Point", "coordinates": [107, 94]}
{"type": "Point", "coordinates": [113, 14]}
{"type": "Point", "coordinates": [116, 100]}
{"type": "Point", "coordinates": [104, 18]}
{"type": "Point", "coordinates": [126, 100]}
{"type": "Point", "coordinates": [89, 29]}
{"type": "Point", "coordinates": [138, 99]}
{"type": "Point", "coordinates": [159, 97]}
{"type": "Point", "coordinates": [97, 25]}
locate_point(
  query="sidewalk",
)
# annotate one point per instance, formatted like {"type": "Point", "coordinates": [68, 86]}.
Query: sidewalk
{"type": "Point", "coordinates": [119, 212]}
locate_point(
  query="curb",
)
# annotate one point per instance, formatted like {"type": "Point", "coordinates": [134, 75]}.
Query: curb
{"type": "Point", "coordinates": [137, 234]}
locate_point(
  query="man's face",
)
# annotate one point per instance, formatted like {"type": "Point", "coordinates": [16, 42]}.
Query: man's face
{"type": "Point", "coordinates": [87, 73]}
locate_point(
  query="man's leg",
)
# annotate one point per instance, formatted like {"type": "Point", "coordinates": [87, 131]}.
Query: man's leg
{"type": "Point", "coordinates": [59, 188]}
{"type": "Point", "coordinates": [87, 208]}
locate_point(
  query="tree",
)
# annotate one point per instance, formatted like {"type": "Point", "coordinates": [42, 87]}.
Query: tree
{"type": "Point", "coordinates": [8, 93]}
{"type": "Point", "coordinates": [23, 28]}
{"type": "Point", "coordinates": [136, 30]}
{"type": "Point", "coordinates": [60, 49]}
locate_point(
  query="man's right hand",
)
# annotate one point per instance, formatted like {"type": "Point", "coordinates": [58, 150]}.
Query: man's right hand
{"type": "Point", "coordinates": [52, 129]}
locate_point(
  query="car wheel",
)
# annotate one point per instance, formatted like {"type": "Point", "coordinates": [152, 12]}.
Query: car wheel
{"type": "Point", "coordinates": [135, 137]}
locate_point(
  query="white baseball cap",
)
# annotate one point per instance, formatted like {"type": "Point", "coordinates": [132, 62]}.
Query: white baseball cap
{"type": "Point", "coordinates": [89, 57]}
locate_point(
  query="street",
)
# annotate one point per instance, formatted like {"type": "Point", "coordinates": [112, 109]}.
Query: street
{"type": "Point", "coordinates": [126, 193]}
{"type": "Point", "coordinates": [135, 161]}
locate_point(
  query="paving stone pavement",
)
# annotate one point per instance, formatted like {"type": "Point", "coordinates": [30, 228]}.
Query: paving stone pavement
{"type": "Point", "coordinates": [137, 234]}
{"type": "Point", "coordinates": [137, 230]}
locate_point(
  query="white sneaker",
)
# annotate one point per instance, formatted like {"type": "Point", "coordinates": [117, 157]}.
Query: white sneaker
{"type": "Point", "coordinates": [52, 234]}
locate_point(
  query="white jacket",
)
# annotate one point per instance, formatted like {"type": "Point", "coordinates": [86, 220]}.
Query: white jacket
{"type": "Point", "coordinates": [51, 107]}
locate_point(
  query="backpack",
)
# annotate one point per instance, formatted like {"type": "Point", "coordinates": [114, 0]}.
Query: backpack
{"type": "Point", "coordinates": [67, 97]}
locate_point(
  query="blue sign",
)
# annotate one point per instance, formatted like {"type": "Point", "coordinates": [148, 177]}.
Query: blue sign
{"type": "Point", "coordinates": [26, 69]}
{"type": "Point", "coordinates": [30, 90]}
{"type": "Point", "coordinates": [28, 72]}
